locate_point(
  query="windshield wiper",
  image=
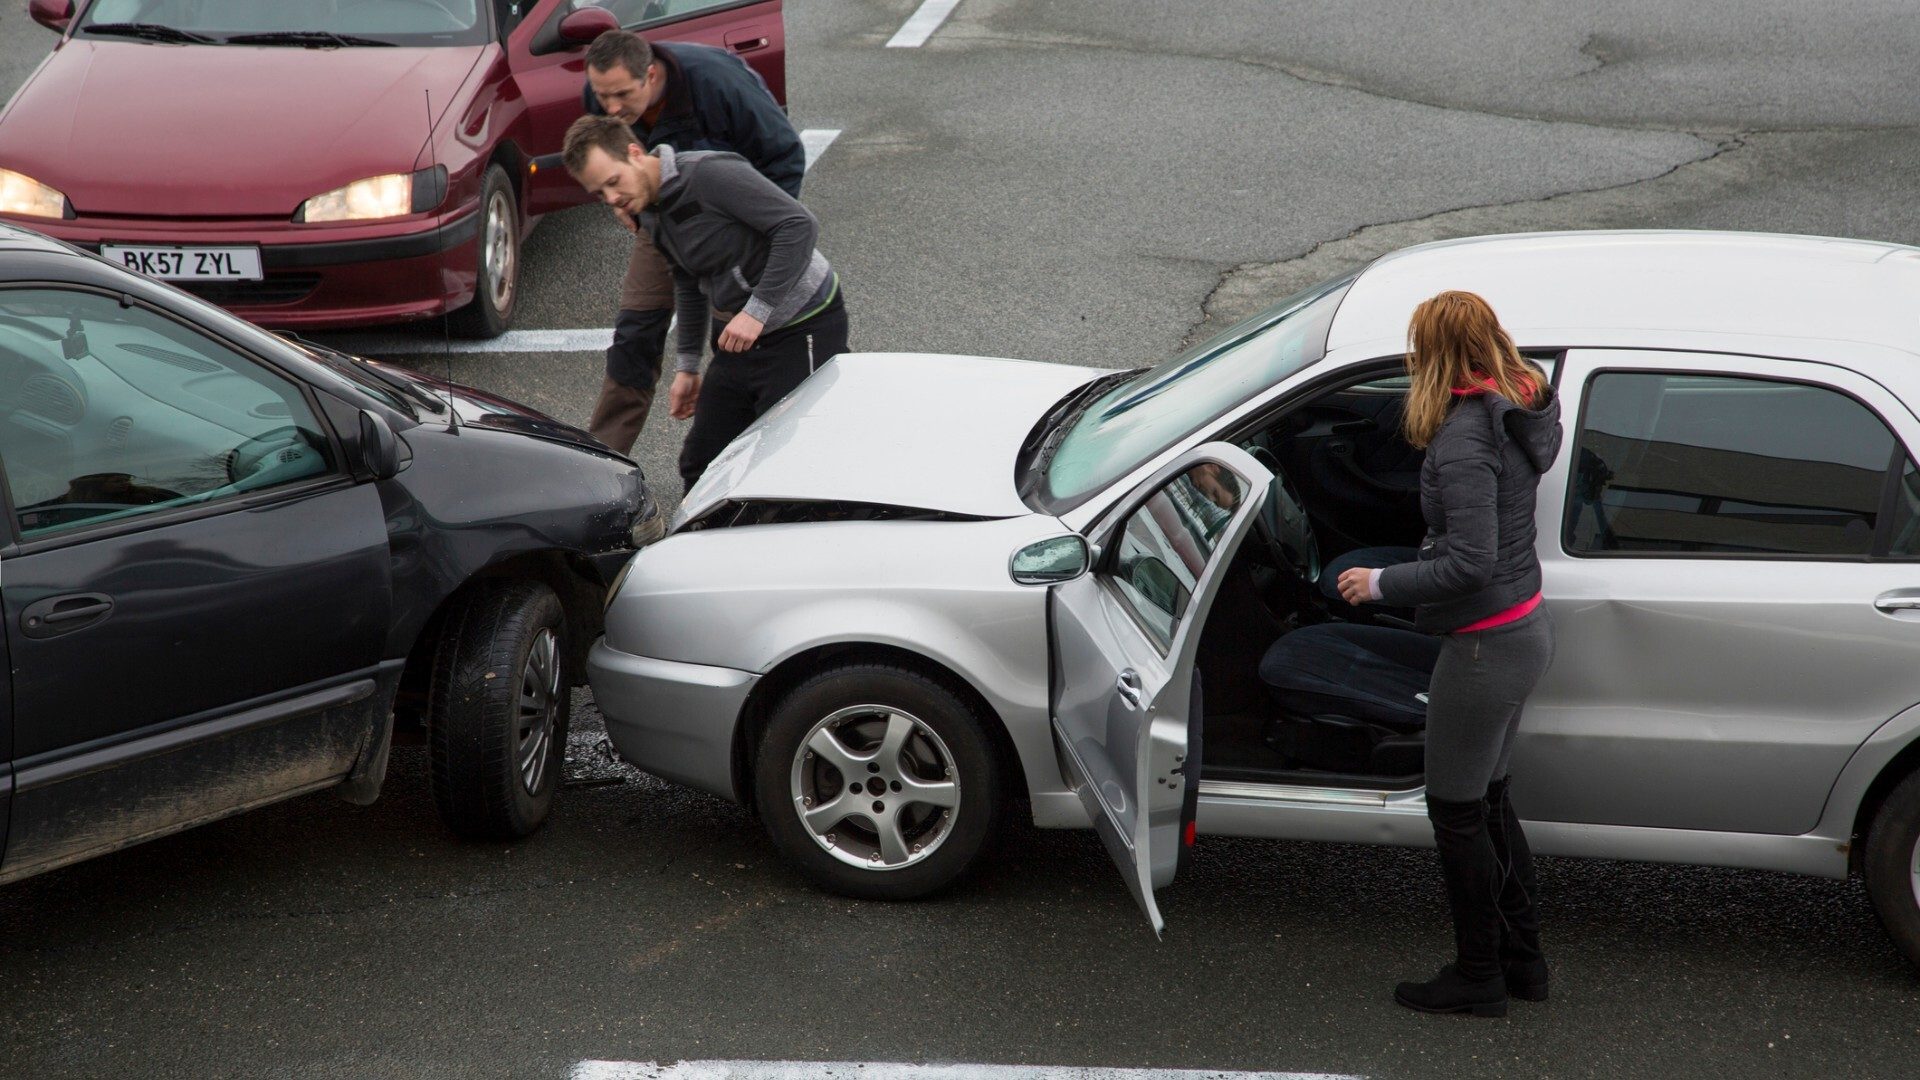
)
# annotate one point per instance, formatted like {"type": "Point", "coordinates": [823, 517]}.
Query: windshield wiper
{"type": "Point", "coordinates": [311, 39]}
{"type": "Point", "coordinates": [1053, 428]}
{"type": "Point", "coordinates": [152, 32]}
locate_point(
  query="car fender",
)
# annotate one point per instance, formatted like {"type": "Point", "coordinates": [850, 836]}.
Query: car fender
{"type": "Point", "coordinates": [1894, 743]}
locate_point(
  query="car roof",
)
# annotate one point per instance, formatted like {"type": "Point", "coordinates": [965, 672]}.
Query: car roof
{"type": "Point", "coordinates": [1576, 288]}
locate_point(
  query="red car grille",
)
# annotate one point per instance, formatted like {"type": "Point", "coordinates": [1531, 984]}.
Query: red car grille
{"type": "Point", "coordinates": [279, 289]}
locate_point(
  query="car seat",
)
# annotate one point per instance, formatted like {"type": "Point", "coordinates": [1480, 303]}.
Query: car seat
{"type": "Point", "coordinates": [1351, 698]}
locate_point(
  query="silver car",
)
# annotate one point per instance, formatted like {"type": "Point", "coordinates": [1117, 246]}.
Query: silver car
{"type": "Point", "coordinates": [925, 592]}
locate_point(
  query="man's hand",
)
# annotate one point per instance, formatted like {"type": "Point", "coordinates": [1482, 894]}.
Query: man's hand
{"type": "Point", "coordinates": [741, 333]}
{"type": "Point", "coordinates": [1356, 586]}
{"type": "Point", "coordinates": [626, 220]}
{"type": "Point", "coordinates": [685, 391]}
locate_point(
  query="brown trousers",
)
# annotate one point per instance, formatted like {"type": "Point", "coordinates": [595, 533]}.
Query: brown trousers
{"type": "Point", "coordinates": [622, 409]}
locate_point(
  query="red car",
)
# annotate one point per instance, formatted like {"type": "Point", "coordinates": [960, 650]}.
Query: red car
{"type": "Point", "coordinates": [274, 157]}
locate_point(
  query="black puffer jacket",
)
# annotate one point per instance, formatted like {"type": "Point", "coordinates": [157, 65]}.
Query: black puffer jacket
{"type": "Point", "coordinates": [1477, 494]}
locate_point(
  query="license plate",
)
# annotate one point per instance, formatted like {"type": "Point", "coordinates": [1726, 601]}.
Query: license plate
{"type": "Point", "coordinates": [188, 263]}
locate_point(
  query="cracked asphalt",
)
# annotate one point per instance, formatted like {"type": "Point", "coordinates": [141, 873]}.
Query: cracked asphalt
{"type": "Point", "coordinates": [1095, 182]}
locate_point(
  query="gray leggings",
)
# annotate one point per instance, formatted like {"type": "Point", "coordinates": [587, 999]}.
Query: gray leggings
{"type": "Point", "coordinates": [1473, 703]}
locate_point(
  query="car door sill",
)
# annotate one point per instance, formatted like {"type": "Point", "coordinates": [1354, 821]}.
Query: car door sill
{"type": "Point", "coordinates": [1288, 793]}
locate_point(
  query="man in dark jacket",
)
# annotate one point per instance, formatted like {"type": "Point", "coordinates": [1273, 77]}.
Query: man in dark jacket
{"type": "Point", "coordinates": [689, 97]}
{"type": "Point", "coordinates": [742, 254]}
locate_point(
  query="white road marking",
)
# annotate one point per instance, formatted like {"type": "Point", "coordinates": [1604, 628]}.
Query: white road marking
{"type": "Point", "coordinates": [922, 24]}
{"type": "Point", "coordinates": [875, 1070]}
{"type": "Point", "coordinates": [815, 140]}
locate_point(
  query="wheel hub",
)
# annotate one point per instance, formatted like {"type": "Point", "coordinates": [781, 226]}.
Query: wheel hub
{"type": "Point", "coordinates": [875, 787]}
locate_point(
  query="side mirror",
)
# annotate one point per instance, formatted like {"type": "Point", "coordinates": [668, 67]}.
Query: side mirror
{"type": "Point", "coordinates": [379, 446]}
{"type": "Point", "coordinates": [581, 27]}
{"type": "Point", "coordinates": [1049, 562]}
{"type": "Point", "coordinates": [52, 14]}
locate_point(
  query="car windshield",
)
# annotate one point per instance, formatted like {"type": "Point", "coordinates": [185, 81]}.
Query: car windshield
{"type": "Point", "coordinates": [326, 24]}
{"type": "Point", "coordinates": [1132, 422]}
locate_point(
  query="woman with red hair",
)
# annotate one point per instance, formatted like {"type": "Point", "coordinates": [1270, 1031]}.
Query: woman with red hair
{"type": "Point", "coordinates": [1490, 425]}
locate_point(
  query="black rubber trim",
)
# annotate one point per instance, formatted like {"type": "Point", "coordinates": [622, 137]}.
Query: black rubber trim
{"type": "Point", "coordinates": [412, 246]}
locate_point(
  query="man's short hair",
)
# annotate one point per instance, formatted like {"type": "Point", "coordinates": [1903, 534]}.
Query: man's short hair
{"type": "Point", "coordinates": [584, 134]}
{"type": "Point", "coordinates": [620, 48]}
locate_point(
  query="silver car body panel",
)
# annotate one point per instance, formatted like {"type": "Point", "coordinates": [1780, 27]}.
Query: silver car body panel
{"type": "Point", "coordinates": [750, 598]}
{"type": "Point", "coordinates": [662, 712]}
{"type": "Point", "coordinates": [843, 435]}
{"type": "Point", "coordinates": [1123, 703]}
{"type": "Point", "coordinates": [731, 599]}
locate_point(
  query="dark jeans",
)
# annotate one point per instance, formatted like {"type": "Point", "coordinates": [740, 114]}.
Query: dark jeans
{"type": "Point", "coordinates": [738, 387]}
{"type": "Point", "coordinates": [1479, 686]}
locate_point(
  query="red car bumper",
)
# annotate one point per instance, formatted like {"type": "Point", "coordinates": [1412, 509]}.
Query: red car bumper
{"type": "Point", "coordinates": [334, 276]}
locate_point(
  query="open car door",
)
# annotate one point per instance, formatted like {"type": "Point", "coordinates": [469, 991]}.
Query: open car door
{"type": "Point", "coordinates": [1126, 708]}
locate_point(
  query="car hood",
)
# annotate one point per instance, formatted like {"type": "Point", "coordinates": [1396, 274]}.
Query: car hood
{"type": "Point", "coordinates": [914, 430]}
{"type": "Point", "coordinates": [478, 408]}
{"type": "Point", "coordinates": [223, 130]}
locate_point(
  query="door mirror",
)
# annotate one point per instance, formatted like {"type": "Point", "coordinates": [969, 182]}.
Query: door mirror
{"type": "Point", "coordinates": [1049, 562]}
{"type": "Point", "coordinates": [379, 447]}
{"type": "Point", "coordinates": [52, 14]}
{"type": "Point", "coordinates": [1153, 580]}
{"type": "Point", "coordinates": [580, 27]}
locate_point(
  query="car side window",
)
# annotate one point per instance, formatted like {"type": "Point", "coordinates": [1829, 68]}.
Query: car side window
{"type": "Point", "coordinates": [110, 412]}
{"type": "Point", "coordinates": [1166, 543]}
{"type": "Point", "coordinates": [637, 12]}
{"type": "Point", "coordinates": [1716, 464]}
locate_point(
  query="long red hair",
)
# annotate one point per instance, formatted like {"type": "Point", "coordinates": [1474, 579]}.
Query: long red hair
{"type": "Point", "coordinates": [1455, 341]}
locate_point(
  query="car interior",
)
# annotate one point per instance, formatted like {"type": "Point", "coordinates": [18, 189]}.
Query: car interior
{"type": "Point", "coordinates": [1299, 686]}
{"type": "Point", "coordinates": [108, 412]}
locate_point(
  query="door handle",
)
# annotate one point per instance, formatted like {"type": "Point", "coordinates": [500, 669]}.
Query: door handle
{"type": "Point", "coordinates": [746, 44]}
{"type": "Point", "coordinates": [1128, 687]}
{"type": "Point", "coordinates": [1898, 600]}
{"type": "Point", "coordinates": [64, 614]}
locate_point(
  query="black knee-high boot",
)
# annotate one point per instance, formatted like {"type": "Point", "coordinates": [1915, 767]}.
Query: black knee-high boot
{"type": "Point", "coordinates": [1520, 956]}
{"type": "Point", "coordinates": [1474, 982]}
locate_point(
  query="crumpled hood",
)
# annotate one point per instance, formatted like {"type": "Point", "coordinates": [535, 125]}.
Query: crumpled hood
{"type": "Point", "coordinates": [915, 430]}
{"type": "Point", "coordinates": [125, 127]}
{"type": "Point", "coordinates": [1536, 431]}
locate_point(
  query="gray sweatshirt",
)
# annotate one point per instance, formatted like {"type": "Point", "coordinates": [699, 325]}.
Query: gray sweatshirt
{"type": "Point", "coordinates": [735, 242]}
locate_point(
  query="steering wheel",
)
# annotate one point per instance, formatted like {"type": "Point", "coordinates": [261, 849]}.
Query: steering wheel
{"type": "Point", "coordinates": [1282, 522]}
{"type": "Point", "coordinates": [263, 452]}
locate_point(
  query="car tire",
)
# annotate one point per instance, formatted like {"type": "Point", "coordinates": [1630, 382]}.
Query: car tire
{"type": "Point", "coordinates": [496, 287]}
{"type": "Point", "coordinates": [497, 716]}
{"type": "Point", "coordinates": [1892, 865]}
{"type": "Point", "coordinates": [942, 751]}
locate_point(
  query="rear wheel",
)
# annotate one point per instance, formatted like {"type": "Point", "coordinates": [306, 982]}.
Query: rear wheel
{"type": "Point", "coordinates": [498, 713]}
{"type": "Point", "coordinates": [1893, 866]}
{"type": "Point", "coordinates": [497, 287]}
{"type": "Point", "coordinates": [877, 782]}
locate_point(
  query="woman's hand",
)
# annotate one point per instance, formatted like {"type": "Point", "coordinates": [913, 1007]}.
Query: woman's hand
{"type": "Point", "coordinates": [1356, 585]}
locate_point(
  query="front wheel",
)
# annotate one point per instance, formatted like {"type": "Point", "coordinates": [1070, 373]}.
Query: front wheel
{"type": "Point", "coordinates": [497, 719]}
{"type": "Point", "coordinates": [877, 782]}
{"type": "Point", "coordinates": [1893, 866]}
{"type": "Point", "coordinates": [497, 285]}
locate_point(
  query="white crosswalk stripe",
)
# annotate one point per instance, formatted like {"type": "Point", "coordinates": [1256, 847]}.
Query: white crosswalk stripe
{"type": "Point", "coordinates": [878, 1070]}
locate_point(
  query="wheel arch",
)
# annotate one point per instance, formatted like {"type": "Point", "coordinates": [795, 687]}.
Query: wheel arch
{"type": "Point", "coordinates": [570, 577]}
{"type": "Point", "coordinates": [1903, 764]}
{"type": "Point", "coordinates": [795, 669]}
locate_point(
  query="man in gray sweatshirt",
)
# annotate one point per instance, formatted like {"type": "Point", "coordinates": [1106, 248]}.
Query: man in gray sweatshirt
{"type": "Point", "coordinates": [743, 259]}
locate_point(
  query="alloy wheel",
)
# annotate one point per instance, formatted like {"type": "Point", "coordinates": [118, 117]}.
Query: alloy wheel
{"type": "Point", "coordinates": [875, 787]}
{"type": "Point", "coordinates": [539, 710]}
{"type": "Point", "coordinates": [502, 250]}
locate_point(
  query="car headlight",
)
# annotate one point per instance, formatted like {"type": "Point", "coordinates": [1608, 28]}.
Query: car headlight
{"type": "Point", "coordinates": [613, 590]}
{"type": "Point", "coordinates": [22, 194]}
{"type": "Point", "coordinates": [388, 196]}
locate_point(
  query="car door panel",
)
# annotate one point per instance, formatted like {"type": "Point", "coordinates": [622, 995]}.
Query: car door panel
{"type": "Point", "coordinates": [1125, 687]}
{"type": "Point", "coordinates": [1710, 693]}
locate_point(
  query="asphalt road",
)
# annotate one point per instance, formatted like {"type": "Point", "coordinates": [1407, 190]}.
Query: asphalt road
{"type": "Point", "coordinates": [1098, 182]}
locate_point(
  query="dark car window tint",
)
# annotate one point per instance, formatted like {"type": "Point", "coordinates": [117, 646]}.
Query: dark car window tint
{"type": "Point", "coordinates": [1709, 463]}
{"type": "Point", "coordinates": [1906, 513]}
{"type": "Point", "coordinates": [1166, 544]}
{"type": "Point", "coordinates": [109, 412]}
